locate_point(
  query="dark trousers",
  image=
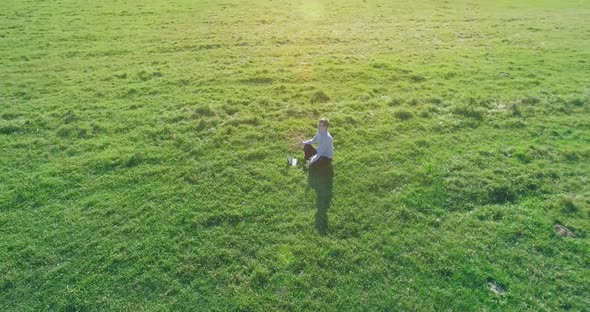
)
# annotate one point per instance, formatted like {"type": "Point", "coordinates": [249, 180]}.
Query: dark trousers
{"type": "Point", "coordinates": [310, 151]}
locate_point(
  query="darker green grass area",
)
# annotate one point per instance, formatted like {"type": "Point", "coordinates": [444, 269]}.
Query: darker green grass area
{"type": "Point", "coordinates": [143, 145]}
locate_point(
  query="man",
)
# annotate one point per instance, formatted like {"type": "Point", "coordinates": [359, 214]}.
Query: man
{"type": "Point", "coordinates": [325, 151]}
{"type": "Point", "coordinates": [321, 176]}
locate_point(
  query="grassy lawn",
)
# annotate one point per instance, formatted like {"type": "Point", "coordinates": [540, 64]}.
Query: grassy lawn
{"type": "Point", "coordinates": [142, 155]}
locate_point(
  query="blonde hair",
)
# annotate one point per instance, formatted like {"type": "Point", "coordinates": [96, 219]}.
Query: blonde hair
{"type": "Point", "coordinates": [325, 121]}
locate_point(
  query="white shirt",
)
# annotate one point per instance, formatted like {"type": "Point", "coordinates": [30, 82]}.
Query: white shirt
{"type": "Point", "coordinates": [325, 145]}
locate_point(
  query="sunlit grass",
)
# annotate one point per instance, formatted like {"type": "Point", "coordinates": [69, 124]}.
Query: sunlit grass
{"type": "Point", "coordinates": [143, 150]}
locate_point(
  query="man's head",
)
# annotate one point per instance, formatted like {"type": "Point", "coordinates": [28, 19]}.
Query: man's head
{"type": "Point", "coordinates": [323, 124]}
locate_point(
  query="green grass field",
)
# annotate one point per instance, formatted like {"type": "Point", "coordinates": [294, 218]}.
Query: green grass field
{"type": "Point", "coordinates": [142, 154]}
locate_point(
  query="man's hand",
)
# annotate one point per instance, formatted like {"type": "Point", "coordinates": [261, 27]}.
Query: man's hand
{"type": "Point", "coordinates": [301, 142]}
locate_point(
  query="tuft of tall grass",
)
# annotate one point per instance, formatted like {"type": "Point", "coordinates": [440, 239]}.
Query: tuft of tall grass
{"type": "Point", "coordinates": [319, 96]}
{"type": "Point", "coordinates": [403, 114]}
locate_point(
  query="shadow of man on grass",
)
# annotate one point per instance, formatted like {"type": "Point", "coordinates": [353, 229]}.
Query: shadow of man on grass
{"type": "Point", "coordinates": [321, 180]}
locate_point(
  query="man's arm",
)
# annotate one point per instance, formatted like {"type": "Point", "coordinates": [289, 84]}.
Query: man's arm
{"type": "Point", "coordinates": [313, 140]}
